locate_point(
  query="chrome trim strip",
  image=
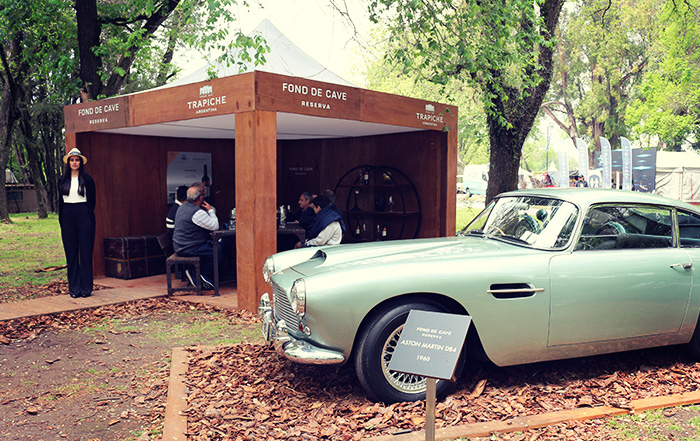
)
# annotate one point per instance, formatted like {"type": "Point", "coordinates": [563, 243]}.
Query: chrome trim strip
{"type": "Point", "coordinates": [509, 291]}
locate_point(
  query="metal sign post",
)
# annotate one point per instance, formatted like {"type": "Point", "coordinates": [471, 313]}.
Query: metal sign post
{"type": "Point", "coordinates": [430, 410]}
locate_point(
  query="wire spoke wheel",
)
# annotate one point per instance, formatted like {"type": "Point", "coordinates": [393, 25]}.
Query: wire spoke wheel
{"type": "Point", "coordinates": [408, 383]}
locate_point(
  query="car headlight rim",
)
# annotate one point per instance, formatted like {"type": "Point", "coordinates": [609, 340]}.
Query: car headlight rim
{"type": "Point", "coordinates": [298, 297]}
{"type": "Point", "coordinates": [268, 269]}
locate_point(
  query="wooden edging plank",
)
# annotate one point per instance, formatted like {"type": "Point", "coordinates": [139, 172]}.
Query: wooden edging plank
{"type": "Point", "coordinates": [175, 424]}
{"type": "Point", "coordinates": [547, 419]}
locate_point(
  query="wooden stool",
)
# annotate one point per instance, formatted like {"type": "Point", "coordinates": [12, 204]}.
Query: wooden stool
{"type": "Point", "coordinates": [165, 242]}
{"type": "Point", "coordinates": [173, 260]}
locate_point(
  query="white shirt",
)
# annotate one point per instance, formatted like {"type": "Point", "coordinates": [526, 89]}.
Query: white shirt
{"type": "Point", "coordinates": [331, 235]}
{"type": "Point", "coordinates": [206, 219]}
{"type": "Point", "coordinates": [73, 197]}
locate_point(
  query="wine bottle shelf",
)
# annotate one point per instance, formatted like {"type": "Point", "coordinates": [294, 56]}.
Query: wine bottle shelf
{"type": "Point", "coordinates": [380, 203]}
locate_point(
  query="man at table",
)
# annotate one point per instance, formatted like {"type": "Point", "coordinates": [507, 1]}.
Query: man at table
{"type": "Point", "coordinates": [180, 198]}
{"type": "Point", "coordinates": [194, 222]}
{"type": "Point", "coordinates": [305, 216]}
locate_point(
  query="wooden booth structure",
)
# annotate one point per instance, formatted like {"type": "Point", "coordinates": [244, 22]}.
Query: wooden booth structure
{"type": "Point", "coordinates": [270, 137]}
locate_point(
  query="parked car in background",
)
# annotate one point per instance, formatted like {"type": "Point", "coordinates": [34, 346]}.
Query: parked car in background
{"type": "Point", "coordinates": [544, 274]}
{"type": "Point", "coordinates": [473, 181]}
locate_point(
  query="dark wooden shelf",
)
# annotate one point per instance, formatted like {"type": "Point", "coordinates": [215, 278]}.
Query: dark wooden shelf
{"type": "Point", "coordinates": [402, 223]}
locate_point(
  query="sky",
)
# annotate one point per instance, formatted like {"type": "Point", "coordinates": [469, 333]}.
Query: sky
{"type": "Point", "coordinates": [313, 25]}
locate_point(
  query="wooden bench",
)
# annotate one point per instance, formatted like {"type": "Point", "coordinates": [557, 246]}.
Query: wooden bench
{"type": "Point", "coordinates": [166, 242]}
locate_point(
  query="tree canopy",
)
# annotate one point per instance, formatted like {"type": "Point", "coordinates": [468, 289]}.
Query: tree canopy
{"type": "Point", "coordinates": [667, 105]}
{"type": "Point", "coordinates": [602, 53]}
{"type": "Point", "coordinates": [56, 52]}
{"type": "Point", "coordinates": [502, 49]}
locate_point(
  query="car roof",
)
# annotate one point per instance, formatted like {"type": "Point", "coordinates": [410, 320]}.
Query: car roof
{"type": "Point", "coordinates": [588, 196]}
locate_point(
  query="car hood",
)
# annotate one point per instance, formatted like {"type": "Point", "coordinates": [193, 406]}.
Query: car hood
{"type": "Point", "coordinates": [335, 258]}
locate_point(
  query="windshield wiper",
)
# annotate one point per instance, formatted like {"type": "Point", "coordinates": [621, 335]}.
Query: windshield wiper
{"type": "Point", "coordinates": [472, 232]}
{"type": "Point", "coordinates": [509, 238]}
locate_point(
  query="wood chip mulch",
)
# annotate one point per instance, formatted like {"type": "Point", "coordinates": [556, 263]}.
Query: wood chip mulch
{"type": "Point", "coordinates": [247, 392]}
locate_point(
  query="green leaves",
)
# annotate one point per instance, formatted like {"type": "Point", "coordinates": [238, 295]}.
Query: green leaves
{"type": "Point", "coordinates": [493, 46]}
{"type": "Point", "coordinates": [668, 103]}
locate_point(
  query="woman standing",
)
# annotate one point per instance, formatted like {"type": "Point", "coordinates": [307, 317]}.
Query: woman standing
{"type": "Point", "coordinates": [76, 215]}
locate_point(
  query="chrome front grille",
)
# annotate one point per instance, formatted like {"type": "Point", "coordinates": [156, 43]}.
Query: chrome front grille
{"type": "Point", "coordinates": [281, 309]}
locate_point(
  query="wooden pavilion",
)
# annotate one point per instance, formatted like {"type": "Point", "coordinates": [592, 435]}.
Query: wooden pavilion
{"type": "Point", "coordinates": [270, 137]}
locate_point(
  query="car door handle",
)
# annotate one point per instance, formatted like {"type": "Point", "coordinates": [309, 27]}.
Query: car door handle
{"type": "Point", "coordinates": [685, 265]}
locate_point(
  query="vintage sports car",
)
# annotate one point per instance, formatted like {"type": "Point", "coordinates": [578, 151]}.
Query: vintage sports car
{"type": "Point", "coordinates": [545, 274]}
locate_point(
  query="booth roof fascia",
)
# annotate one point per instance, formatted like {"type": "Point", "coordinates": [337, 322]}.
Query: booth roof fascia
{"type": "Point", "coordinates": [305, 109]}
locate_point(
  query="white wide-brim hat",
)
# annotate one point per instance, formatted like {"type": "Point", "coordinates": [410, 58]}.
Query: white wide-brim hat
{"type": "Point", "coordinates": [74, 152]}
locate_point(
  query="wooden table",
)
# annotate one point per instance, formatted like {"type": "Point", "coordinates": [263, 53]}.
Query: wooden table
{"type": "Point", "coordinates": [290, 228]}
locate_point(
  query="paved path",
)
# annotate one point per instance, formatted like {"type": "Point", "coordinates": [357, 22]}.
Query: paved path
{"type": "Point", "coordinates": [117, 291]}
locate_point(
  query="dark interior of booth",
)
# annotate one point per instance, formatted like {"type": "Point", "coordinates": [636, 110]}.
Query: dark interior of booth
{"type": "Point", "coordinates": [387, 186]}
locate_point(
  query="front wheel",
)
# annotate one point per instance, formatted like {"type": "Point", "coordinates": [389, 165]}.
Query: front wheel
{"type": "Point", "coordinates": [694, 343]}
{"type": "Point", "coordinates": [375, 348]}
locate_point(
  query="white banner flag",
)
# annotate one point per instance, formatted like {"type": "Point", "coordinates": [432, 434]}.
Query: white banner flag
{"type": "Point", "coordinates": [606, 162]}
{"type": "Point", "coordinates": [626, 164]}
{"type": "Point", "coordinates": [582, 158]}
{"type": "Point", "coordinates": [563, 168]}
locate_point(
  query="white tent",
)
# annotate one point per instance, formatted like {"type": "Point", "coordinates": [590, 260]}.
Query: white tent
{"type": "Point", "coordinates": [284, 58]}
{"type": "Point", "coordinates": [678, 175]}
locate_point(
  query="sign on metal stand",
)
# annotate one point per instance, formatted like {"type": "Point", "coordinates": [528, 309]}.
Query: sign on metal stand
{"type": "Point", "coordinates": [430, 345]}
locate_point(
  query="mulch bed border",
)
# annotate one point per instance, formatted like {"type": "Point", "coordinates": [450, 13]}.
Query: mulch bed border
{"type": "Point", "coordinates": [175, 425]}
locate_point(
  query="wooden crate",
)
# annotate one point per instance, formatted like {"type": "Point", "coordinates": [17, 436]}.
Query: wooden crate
{"type": "Point", "coordinates": [131, 257]}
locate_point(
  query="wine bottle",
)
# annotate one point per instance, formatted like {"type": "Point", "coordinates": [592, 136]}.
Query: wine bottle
{"type": "Point", "coordinates": [384, 232]}
{"type": "Point", "coordinates": [357, 229]}
{"type": "Point", "coordinates": [206, 181]}
{"type": "Point", "coordinates": [365, 177]}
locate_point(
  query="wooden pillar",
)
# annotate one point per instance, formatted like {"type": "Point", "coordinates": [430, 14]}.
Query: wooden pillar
{"type": "Point", "coordinates": [448, 224]}
{"type": "Point", "coordinates": [256, 199]}
{"type": "Point", "coordinates": [70, 141]}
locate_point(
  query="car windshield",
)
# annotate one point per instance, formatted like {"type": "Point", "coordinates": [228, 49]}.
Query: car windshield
{"type": "Point", "coordinates": [527, 220]}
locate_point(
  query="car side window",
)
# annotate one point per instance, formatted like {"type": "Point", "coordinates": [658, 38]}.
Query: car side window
{"type": "Point", "coordinates": [618, 227]}
{"type": "Point", "coordinates": [689, 229]}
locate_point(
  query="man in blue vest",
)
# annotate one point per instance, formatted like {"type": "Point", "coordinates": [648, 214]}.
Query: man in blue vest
{"type": "Point", "coordinates": [194, 222]}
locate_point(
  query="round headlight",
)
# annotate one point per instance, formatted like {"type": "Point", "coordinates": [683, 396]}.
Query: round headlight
{"type": "Point", "coordinates": [268, 269]}
{"type": "Point", "coordinates": [298, 297]}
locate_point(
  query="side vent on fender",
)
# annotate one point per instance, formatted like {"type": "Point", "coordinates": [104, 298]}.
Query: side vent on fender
{"type": "Point", "coordinates": [513, 290]}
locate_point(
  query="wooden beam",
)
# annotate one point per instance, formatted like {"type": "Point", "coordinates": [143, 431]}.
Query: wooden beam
{"type": "Point", "coordinates": [256, 199]}
{"type": "Point", "coordinates": [547, 419]}
{"type": "Point", "coordinates": [449, 190]}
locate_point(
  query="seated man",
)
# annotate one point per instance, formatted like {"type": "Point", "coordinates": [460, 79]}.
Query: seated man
{"type": "Point", "coordinates": [305, 216]}
{"type": "Point", "coordinates": [325, 229]}
{"type": "Point", "coordinates": [194, 221]}
{"type": "Point", "coordinates": [180, 198]}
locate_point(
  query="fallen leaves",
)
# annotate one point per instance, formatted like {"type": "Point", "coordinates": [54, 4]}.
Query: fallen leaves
{"type": "Point", "coordinates": [246, 392]}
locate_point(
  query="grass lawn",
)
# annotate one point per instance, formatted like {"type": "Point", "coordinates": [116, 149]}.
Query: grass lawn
{"type": "Point", "coordinates": [29, 244]}
{"type": "Point", "coordinates": [465, 215]}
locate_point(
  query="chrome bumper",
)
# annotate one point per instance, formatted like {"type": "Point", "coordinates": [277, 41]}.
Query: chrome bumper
{"type": "Point", "coordinates": [299, 351]}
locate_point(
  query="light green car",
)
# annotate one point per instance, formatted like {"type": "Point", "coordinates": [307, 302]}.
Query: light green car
{"type": "Point", "coordinates": [544, 274]}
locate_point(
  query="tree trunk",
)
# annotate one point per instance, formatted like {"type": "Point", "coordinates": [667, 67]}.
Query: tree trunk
{"type": "Point", "coordinates": [519, 109]}
{"type": "Point", "coordinates": [8, 116]}
{"type": "Point", "coordinates": [504, 161]}
{"type": "Point", "coordinates": [6, 123]}
{"type": "Point", "coordinates": [89, 28]}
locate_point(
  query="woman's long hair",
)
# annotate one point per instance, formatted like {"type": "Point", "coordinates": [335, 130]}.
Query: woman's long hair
{"type": "Point", "coordinates": [64, 182]}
